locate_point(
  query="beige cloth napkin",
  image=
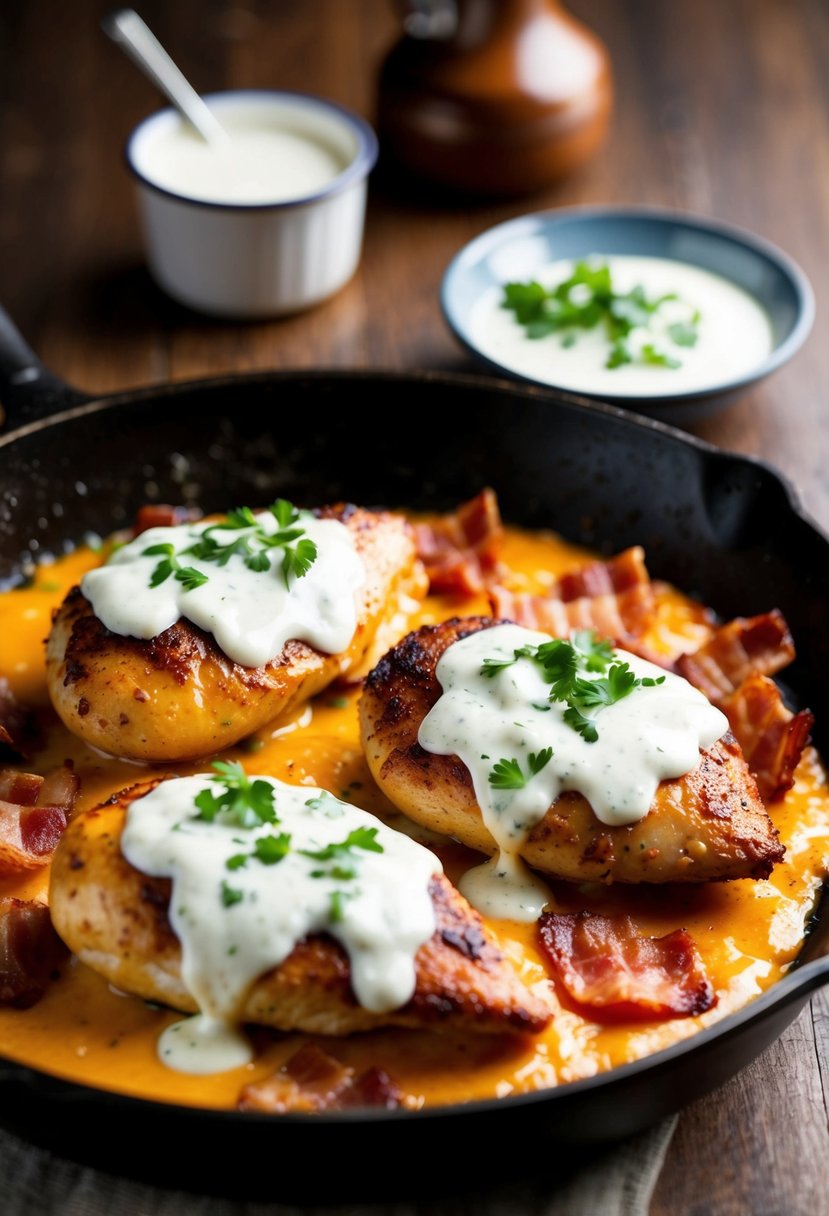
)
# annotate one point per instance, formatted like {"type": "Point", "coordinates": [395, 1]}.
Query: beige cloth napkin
{"type": "Point", "coordinates": [614, 1182]}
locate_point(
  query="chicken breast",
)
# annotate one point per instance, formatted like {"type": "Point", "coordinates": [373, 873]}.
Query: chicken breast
{"type": "Point", "coordinates": [114, 918]}
{"type": "Point", "coordinates": [178, 696]}
{"type": "Point", "coordinates": [709, 824]}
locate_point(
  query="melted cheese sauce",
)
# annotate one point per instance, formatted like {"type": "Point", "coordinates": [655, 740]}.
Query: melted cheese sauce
{"type": "Point", "coordinates": [747, 932]}
{"type": "Point", "coordinates": [734, 333]}
{"type": "Point", "coordinates": [503, 717]}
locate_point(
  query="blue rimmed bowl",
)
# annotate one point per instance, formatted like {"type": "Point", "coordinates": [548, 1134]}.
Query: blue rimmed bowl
{"type": "Point", "coordinates": [516, 251]}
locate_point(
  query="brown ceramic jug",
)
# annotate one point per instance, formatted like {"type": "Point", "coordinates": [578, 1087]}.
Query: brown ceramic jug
{"type": "Point", "coordinates": [496, 97]}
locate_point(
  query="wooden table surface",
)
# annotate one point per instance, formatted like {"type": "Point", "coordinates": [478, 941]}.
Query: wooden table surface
{"type": "Point", "coordinates": [722, 108]}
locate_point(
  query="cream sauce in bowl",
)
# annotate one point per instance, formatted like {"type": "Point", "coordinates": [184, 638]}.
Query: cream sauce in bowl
{"type": "Point", "coordinates": [264, 161]}
{"type": "Point", "coordinates": [733, 333]}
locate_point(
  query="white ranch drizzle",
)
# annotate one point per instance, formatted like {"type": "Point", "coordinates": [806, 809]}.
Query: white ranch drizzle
{"type": "Point", "coordinates": [386, 910]}
{"type": "Point", "coordinates": [653, 734]}
{"type": "Point", "coordinates": [251, 614]}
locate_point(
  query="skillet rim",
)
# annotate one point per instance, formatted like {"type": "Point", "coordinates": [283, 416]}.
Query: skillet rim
{"type": "Point", "coordinates": [84, 404]}
{"type": "Point", "coordinates": [796, 985]}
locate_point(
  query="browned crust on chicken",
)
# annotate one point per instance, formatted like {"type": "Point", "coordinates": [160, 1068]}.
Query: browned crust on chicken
{"type": "Point", "coordinates": [114, 918]}
{"type": "Point", "coordinates": [707, 825]}
{"type": "Point", "coordinates": [178, 696]}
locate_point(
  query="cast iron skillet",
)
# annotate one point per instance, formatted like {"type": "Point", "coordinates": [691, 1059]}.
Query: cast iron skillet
{"type": "Point", "coordinates": [722, 527]}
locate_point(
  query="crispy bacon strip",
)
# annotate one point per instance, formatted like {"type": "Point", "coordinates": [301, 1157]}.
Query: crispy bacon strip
{"type": "Point", "coordinates": [771, 736]}
{"type": "Point", "coordinates": [461, 550]}
{"type": "Point", "coordinates": [615, 598]}
{"type": "Point", "coordinates": [732, 669]}
{"type": "Point", "coordinates": [607, 965]}
{"type": "Point", "coordinates": [746, 646]}
{"type": "Point", "coordinates": [30, 950]}
{"type": "Point", "coordinates": [18, 731]}
{"type": "Point", "coordinates": [33, 814]}
{"type": "Point", "coordinates": [312, 1081]}
{"type": "Point", "coordinates": [162, 515]}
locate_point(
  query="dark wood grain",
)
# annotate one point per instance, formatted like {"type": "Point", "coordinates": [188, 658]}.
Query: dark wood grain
{"type": "Point", "coordinates": [722, 109]}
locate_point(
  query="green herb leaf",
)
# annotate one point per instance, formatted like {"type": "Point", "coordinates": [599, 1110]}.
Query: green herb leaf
{"type": "Point", "coordinates": [298, 560]}
{"type": "Point", "coordinates": [298, 551]}
{"type": "Point", "coordinates": [583, 726]}
{"type": "Point", "coordinates": [683, 333]}
{"type": "Point", "coordinates": [243, 803]}
{"type": "Point", "coordinates": [657, 358]}
{"type": "Point", "coordinates": [191, 578]}
{"type": "Point", "coordinates": [161, 573]}
{"type": "Point", "coordinates": [562, 665]}
{"type": "Point", "coordinates": [619, 355]}
{"type": "Point", "coordinates": [540, 761]}
{"type": "Point", "coordinates": [360, 838]}
{"type": "Point", "coordinates": [258, 562]}
{"type": "Point", "coordinates": [336, 908]}
{"type": "Point", "coordinates": [271, 849]}
{"type": "Point", "coordinates": [587, 299]}
{"type": "Point", "coordinates": [231, 895]}
{"type": "Point", "coordinates": [237, 861]}
{"type": "Point", "coordinates": [507, 775]}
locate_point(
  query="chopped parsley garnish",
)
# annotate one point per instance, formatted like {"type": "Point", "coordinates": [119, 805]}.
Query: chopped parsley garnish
{"type": "Point", "coordinates": [271, 849]}
{"type": "Point", "coordinates": [187, 575]}
{"type": "Point", "coordinates": [508, 774]}
{"type": "Point", "coordinates": [342, 866]}
{"type": "Point", "coordinates": [561, 664]}
{"type": "Point", "coordinates": [336, 911]}
{"type": "Point", "coordinates": [587, 299]}
{"type": "Point", "coordinates": [241, 801]}
{"type": "Point", "coordinates": [240, 534]}
{"type": "Point", "coordinates": [244, 803]}
{"type": "Point", "coordinates": [360, 838]}
{"type": "Point", "coordinates": [231, 895]}
{"type": "Point", "coordinates": [330, 806]}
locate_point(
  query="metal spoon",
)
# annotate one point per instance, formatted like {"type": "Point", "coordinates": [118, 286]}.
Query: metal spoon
{"type": "Point", "coordinates": [133, 35]}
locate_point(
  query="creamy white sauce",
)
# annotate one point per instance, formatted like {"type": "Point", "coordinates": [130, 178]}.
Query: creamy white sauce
{"type": "Point", "coordinates": [268, 159]}
{"type": "Point", "coordinates": [386, 910]}
{"type": "Point", "coordinates": [251, 614]}
{"type": "Point", "coordinates": [652, 734]}
{"type": "Point", "coordinates": [734, 332]}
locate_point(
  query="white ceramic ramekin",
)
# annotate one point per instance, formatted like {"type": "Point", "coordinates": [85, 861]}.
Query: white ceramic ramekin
{"type": "Point", "coordinates": [260, 259]}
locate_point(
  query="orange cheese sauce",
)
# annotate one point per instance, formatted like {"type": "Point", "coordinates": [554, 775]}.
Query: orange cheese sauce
{"type": "Point", "coordinates": [747, 932]}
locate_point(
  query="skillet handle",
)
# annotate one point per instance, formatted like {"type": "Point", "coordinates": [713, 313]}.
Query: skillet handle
{"type": "Point", "coordinates": [28, 391]}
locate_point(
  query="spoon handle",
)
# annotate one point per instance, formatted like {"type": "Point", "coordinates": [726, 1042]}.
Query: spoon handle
{"type": "Point", "coordinates": [136, 39]}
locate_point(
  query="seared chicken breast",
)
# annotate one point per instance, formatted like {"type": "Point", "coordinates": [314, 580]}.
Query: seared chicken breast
{"type": "Point", "coordinates": [177, 696]}
{"type": "Point", "coordinates": [114, 918]}
{"type": "Point", "coordinates": [709, 824]}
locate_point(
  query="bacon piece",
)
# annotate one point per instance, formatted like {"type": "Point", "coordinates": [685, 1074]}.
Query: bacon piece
{"type": "Point", "coordinates": [771, 736]}
{"type": "Point", "coordinates": [627, 569]}
{"type": "Point", "coordinates": [746, 646]}
{"type": "Point", "coordinates": [30, 950]}
{"type": "Point", "coordinates": [162, 515]}
{"type": "Point", "coordinates": [18, 730]}
{"type": "Point", "coordinates": [623, 617]}
{"type": "Point", "coordinates": [312, 1081]}
{"type": "Point", "coordinates": [615, 598]}
{"type": "Point", "coordinates": [33, 816]}
{"type": "Point", "coordinates": [60, 788]}
{"type": "Point", "coordinates": [607, 965]}
{"type": "Point", "coordinates": [460, 551]}
{"type": "Point", "coordinates": [374, 1087]}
